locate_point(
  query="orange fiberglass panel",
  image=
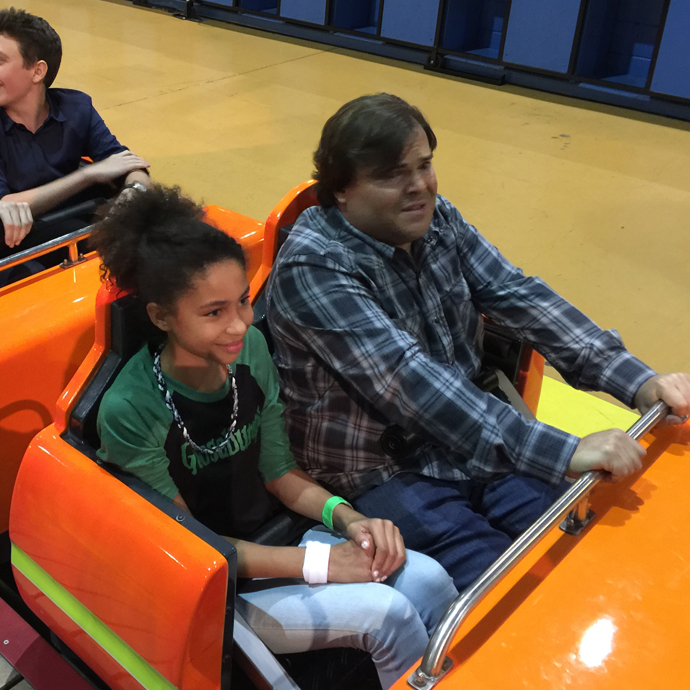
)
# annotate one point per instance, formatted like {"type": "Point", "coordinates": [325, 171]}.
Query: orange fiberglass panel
{"type": "Point", "coordinates": [107, 292]}
{"type": "Point", "coordinates": [46, 329]}
{"type": "Point", "coordinates": [247, 231]}
{"type": "Point", "coordinates": [153, 583]}
{"type": "Point", "coordinates": [606, 610]}
{"type": "Point", "coordinates": [285, 212]}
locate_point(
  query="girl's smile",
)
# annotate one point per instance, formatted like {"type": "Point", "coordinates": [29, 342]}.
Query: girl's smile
{"type": "Point", "coordinates": [234, 348]}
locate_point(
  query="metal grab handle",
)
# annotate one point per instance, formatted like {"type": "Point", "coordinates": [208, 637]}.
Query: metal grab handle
{"type": "Point", "coordinates": [434, 663]}
{"type": "Point", "coordinates": [69, 240]}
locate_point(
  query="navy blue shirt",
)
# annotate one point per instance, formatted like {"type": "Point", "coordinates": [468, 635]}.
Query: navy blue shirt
{"type": "Point", "coordinates": [72, 129]}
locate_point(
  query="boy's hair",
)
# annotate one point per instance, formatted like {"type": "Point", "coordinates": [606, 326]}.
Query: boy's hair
{"type": "Point", "coordinates": [36, 38]}
{"type": "Point", "coordinates": [370, 131]}
{"type": "Point", "coordinates": [156, 244]}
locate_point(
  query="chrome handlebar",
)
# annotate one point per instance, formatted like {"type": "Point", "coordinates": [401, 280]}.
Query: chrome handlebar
{"type": "Point", "coordinates": [47, 247]}
{"type": "Point", "coordinates": [434, 662]}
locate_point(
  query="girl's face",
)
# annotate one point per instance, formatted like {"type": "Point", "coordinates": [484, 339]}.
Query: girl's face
{"type": "Point", "coordinates": [211, 319]}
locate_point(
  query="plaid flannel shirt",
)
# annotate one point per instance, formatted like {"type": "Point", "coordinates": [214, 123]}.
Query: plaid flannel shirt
{"type": "Point", "coordinates": [367, 335]}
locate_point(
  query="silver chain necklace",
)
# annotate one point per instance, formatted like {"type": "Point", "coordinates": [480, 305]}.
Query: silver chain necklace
{"type": "Point", "coordinates": [167, 395]}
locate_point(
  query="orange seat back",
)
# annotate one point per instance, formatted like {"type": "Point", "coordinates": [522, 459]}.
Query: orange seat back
{"type": "Point", "coordinates": [285, 213]}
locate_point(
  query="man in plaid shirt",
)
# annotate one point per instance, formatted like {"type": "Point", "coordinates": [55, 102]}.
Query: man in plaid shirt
{"type": "Point", "coordinates": [375, 306]}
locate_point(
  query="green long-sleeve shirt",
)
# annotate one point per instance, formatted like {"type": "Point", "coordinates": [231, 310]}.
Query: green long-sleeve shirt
{"type": "Point", "coordinates": [225, 490]}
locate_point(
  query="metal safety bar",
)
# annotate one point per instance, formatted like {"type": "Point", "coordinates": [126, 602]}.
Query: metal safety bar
{"type": "Point", "coordinates": [434, 662]}
{"type": "Point", "coordinates": [69, 241]}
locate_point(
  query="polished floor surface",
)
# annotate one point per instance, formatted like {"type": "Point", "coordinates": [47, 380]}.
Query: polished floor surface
{"type": "Point", "coordinates": [594, 199]}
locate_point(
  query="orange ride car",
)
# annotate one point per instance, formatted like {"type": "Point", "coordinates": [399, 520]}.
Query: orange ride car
{"type": "Point", "coordinates": [139, 590]}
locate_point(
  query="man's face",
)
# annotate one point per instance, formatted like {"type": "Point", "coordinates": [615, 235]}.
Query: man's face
{"type": "Point", "coordinates": [397, 208]}
{"type": "Point", "coordinates": [16, 81]}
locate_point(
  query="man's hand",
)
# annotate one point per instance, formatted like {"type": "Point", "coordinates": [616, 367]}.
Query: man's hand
{"type": "Point", "coordinates": [673, 389]}
{"type": "Point", "coordinates": [115, 166]}
{"type": "Point", "coordinates": [349, 563]}
{"type": "Point", "coordinates": [611, 450]}
{"type": "Point", "coordinates": [17, 220]}
{"type": "Point", "coordinates": [383, 543]}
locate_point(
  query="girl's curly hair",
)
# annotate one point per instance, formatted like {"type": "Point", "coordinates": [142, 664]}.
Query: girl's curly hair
{"type": "Point", "coordinates": [156, 243]}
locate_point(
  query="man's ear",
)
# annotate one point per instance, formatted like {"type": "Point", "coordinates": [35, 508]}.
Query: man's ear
{"type": "Point", "coordinates": [40, 69]}
{"type": "Point", "coordinates": [158, 316]}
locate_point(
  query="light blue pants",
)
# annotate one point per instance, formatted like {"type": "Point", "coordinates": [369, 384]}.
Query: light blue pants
{"type": "Point", "coordinates": [392, 621]}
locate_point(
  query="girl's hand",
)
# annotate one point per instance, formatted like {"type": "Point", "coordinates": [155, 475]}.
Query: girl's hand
{"type": "Point", "coordinates": [382, 541]}
{"type": "Point", "coordinates": [349, 563]}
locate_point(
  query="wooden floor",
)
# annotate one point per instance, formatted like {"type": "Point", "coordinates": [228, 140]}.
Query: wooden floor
{"type": "Point", "coordinates": [594, 199]}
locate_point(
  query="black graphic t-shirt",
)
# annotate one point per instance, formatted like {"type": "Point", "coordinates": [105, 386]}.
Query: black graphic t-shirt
{"type": "Point", "coordinates": [224, 490]}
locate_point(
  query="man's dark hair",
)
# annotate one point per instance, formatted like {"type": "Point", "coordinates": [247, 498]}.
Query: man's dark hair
{"type": "Point", "coordinates": [370, 131]}
{"type": "Point", "coordinates": [36, 38]}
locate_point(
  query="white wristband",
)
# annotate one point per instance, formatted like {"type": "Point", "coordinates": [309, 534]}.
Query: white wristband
{"type": "Point", "coordinates": [315, 567]}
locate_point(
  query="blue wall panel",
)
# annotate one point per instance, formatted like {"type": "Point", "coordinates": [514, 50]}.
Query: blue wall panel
{"type": "Point", "coordinates": [460, 24]}
{"type": "Point", "coordinates": [541, 33]}
{"type": "Point", "coordinates": [490, 29]}
{"type": "Point", "coordinates": [259, 4]}
{"type": "Point", "coordinates": [313, 11]}
{"type": "Point", "coordinates": [672, 72]}
{"type": "Point", "coordinates": [355, 14]}
{"type": "Point", "coordinates": [474, 26]}
{"type": "Point", "coordinates": [618, 40]}
{"type": "Point", "coordinates": [413, 21]}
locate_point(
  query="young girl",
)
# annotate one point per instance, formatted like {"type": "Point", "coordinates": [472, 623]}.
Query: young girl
{"type": "Point", "coordinates": [198, 418]}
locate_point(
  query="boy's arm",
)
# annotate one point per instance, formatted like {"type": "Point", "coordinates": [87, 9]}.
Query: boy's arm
{"type": "Point", "coordinates": [111, 161]}
{"type": "Point", "coordinates": [46, 197]}
{"type": "Point", "coordinates": [139, 176]}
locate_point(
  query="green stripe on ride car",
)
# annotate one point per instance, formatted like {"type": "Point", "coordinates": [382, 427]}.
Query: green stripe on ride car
{"type": "Point", "coordinates": [112, 643]}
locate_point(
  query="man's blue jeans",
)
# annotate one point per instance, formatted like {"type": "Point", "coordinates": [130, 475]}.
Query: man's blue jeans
{"type": "Point", "coordinates": [464, 525]}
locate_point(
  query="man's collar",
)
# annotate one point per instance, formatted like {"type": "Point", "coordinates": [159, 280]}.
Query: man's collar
{"type": "Point", "coordinates": [338, 221]}
{"type": "Point", "coordinates": [7, 121]}
{"type": "Point", "coordinates": [54, 112]}
{"type": "Point", "coordinates": [53, 108]}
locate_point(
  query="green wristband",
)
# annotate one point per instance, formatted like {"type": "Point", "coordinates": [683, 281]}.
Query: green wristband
{"type": "Point", "coordinates": [329, 506]}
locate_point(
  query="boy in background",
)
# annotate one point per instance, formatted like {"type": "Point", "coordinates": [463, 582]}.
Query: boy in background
{"type": "Point", "coordinates": [44, 134]}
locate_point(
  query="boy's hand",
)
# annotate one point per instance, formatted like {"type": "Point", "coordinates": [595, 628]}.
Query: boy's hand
{"type": "Point", "coordinates": [115, 166]}
{"type": "Point", "coordinates": [17, 220]}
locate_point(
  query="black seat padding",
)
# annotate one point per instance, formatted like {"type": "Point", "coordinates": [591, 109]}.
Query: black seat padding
{"type": "Point", "coordinates": [130, 328]}
{"type": "Point", "coordinates": [261, 322]}
{"type": "Point", "coordinates": [283, 234]}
